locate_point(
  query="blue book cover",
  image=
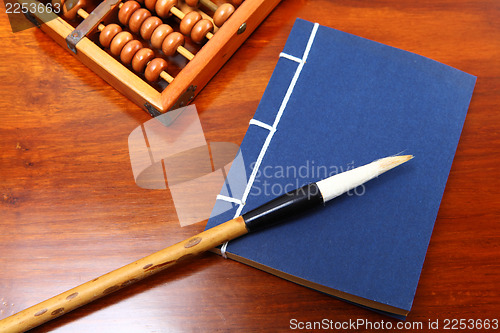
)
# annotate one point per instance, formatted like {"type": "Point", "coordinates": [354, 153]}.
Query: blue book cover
{"type": "Point", "coordinates": [336, 101]}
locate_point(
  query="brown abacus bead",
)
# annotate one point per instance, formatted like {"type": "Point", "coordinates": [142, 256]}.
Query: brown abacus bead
{"type": "Point", "coordinates": [154, 68]}
{"type": "Point", "coordinates": [200, 30]}
{"type": "Point", "coordinates": [129, 50]}
{"type": "Point", "coordinates": [149, 25]}
{"type": "Point", "coordinates": [236, 2]}
{"type": "Point", "coordinates": [160, 34]}
{"type": "Point", "coordinates": [191, 3]}
{"type": "Point", "coordinates": [119, 42]}
{"type": "Point", "coordinates": [141, 59]}
{"type": "Point", "coordinates": [188, 22]}
{"type": "Point", "coordinates": [171, 43]}
{"type": "Point", "coordinates": [222, 14]}
{"type": "Point", "coordinates": [137, 18]}
{"type": "Point", "coordinates": [71, 7]}
{"type": "Point", "coordinates": [150, 4]}
{"type": "Point", "coordinates": [163, 7]}
{"type": "Point", "coordinates": [108, 33]}
{"type": "Point", "coordinates": [128, 8]}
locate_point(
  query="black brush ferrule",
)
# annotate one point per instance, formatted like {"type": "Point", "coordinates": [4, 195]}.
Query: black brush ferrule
{"type": "Point", "coordinates": [289, 204]}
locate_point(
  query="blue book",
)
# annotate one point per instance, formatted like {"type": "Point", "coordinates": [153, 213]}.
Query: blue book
{"type": "Point", "coordinates": [336, 101]}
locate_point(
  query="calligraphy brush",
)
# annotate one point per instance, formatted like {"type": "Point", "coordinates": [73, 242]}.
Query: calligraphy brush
{"type": "Point", "coordinates": [308, 196]}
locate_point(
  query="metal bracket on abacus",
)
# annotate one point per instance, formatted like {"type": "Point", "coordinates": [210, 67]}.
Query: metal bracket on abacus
{"type": "Point", "coordinates": [90, 23]}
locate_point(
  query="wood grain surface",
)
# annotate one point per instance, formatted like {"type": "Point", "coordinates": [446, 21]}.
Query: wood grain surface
{"type": "Point", "coordinates": [70, 210]}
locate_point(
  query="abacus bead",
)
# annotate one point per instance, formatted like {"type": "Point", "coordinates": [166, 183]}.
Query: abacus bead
{"type": "Point", "coordinates": [162, 7]}
{"type": "Point", "coordinates": [171, 43]}
{"type": "Point", "coordinates": [129, 50]}
{"type": "Point", "coordinates": [141, 59]}
{"type": "Point", "coordinates": [188, 22]}
{"type": "Point", "coordinates": [222, 14]}
{"type": "Point", "coordinates": [236, 2]}
{"type": "Point", "coordinates": [57, 6]}
{"type": "Point", "coordinates": [200, 30]}
{"type": "Point", "coordinates": [128, 8]}
{"type": "Point", "coordinates": [119, 42]}
{"type": "Point", "coordinates": [108, 33]}
{"type": "Point", "coordinates": [137, 19]}
{"type": "Point", "coordinates": [149, 25]}
{"type": "Point", "coordinates": [154, 68]}
{"type": "Point", "coordinates": [150, 4]}
{"type": "Point", "coordinates": [191, 3]}
{"type": "Point", "coordinates": [159, 35]}
{"type": "Point", "coordinates": [70, 8]}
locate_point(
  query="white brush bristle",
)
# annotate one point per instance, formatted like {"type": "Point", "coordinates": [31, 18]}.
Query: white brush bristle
{"type": "Point", "coordinates": [340, 183]}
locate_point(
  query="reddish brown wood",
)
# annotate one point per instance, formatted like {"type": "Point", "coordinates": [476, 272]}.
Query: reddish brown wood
{"type": "Point", "coordinates": [70, 210]}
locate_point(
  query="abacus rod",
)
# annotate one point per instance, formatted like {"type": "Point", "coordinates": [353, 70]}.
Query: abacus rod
{"type": "Point", "coordinates": [167, 77]}
{"type": "Point", "coordinates": [185, 52]}
{"type": "Point", "coordinates": [83, 13]}
{"type": "Point", "coordinates": [177, 12]}
{"type": "Point", "coordinates": [209, 4]}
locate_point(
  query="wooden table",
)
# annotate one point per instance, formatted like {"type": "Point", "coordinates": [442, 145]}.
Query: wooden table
{"type": "Point", "coordinates": [70, 210]}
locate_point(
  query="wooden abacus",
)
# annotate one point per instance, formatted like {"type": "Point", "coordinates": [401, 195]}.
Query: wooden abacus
{"type": "Point", "coordinates": [159, 53]}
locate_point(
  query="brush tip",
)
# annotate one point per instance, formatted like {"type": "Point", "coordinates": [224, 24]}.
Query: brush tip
{"type": "Point", "coordinates": [390, 162]}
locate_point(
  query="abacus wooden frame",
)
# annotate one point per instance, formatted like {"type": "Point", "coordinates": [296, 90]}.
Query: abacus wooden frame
{"type": "Point", "coordinates": [189, 81]}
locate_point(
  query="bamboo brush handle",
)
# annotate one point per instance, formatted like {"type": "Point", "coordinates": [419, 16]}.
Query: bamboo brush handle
{"type": "Point", "coordinates": [112, 281]}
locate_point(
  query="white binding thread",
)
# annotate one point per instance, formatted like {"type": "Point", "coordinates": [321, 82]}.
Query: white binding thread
{"type": "Point", "coordinates": [229, 199]}
{"type": "Point", "coordinates": [272, 130]}
{"type": "Point", "coordinates": [261, 124]}
{"type": "Point", "coordinates": [223, 250]}
{"type": "Point", "coordinates": [290, 57]}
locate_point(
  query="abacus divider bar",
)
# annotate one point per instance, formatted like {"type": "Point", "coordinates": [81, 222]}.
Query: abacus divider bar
{"type": "Point", "coordinates": [83, 14]}
{"type": "Point", "coordinates": [121, 277]}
